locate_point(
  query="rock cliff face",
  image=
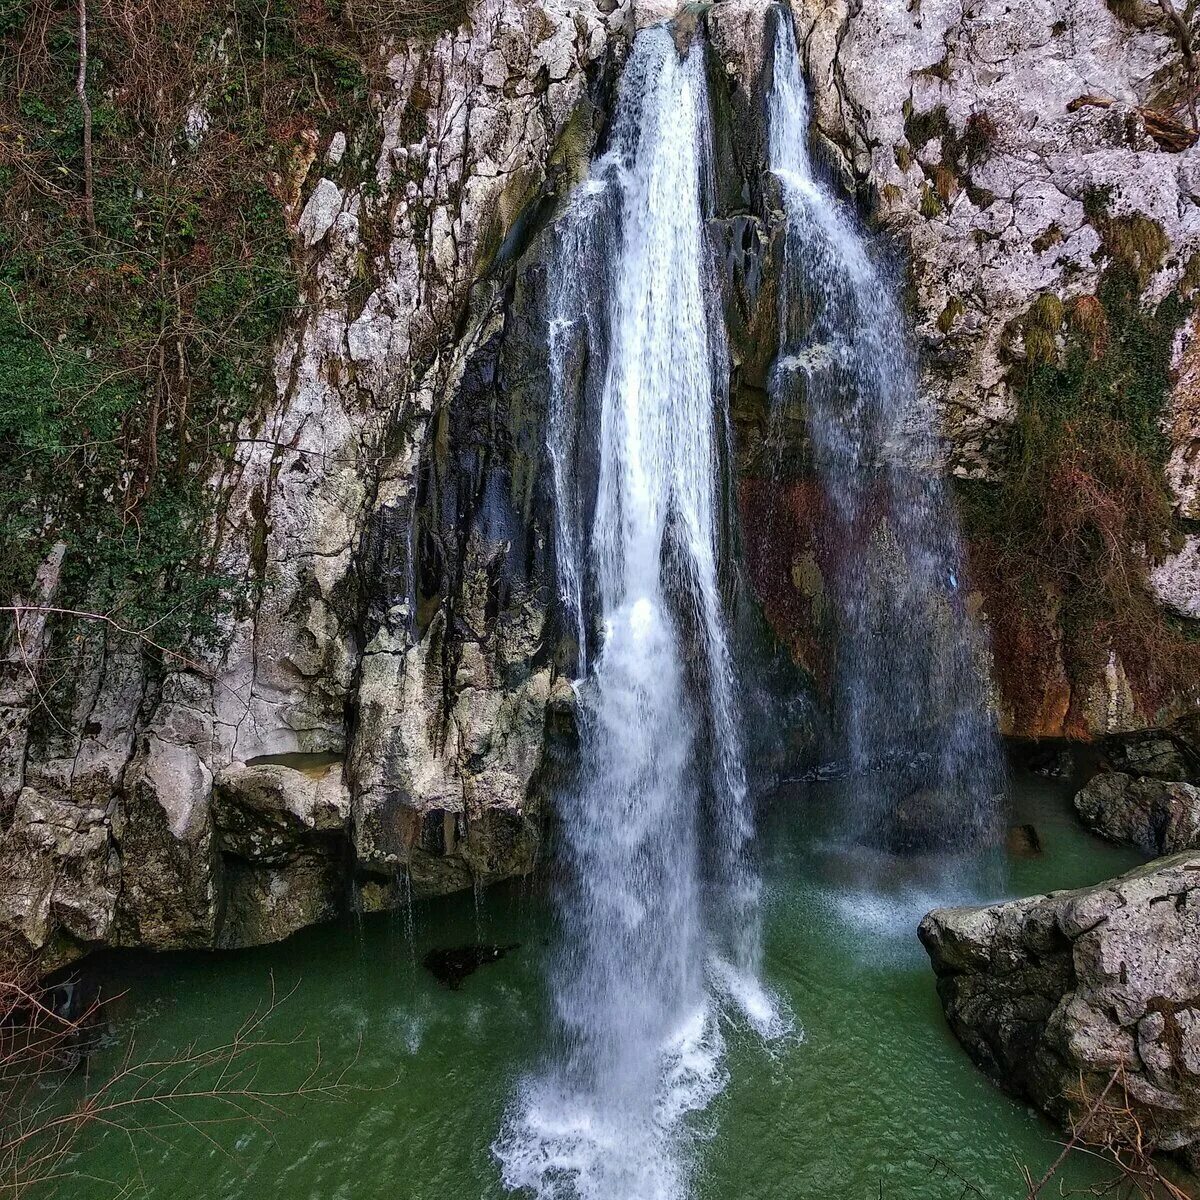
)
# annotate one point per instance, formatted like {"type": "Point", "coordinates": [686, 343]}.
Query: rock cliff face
{"type": "Point", "coordinates": [386, 514]}
{"type": "Point", "coordinates": [1076, 996]}
{"type": "Point", "coordinates": [376, 716]}
{"type": "Point", "coordinates": [1022, 157]}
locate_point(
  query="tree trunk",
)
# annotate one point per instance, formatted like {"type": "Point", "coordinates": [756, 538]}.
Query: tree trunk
{"type": "Point", "coordinates": [89, 204]}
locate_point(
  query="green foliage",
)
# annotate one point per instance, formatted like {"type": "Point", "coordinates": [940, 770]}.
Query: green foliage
{"type": "Point", "coordinates": [960, 152]}
{"type": "Point", "coordinates": [931, 205]}
{"type": "Point", "coordinates": [1040, 330]}
{"type": "Point", "coordinates": [133, 349]}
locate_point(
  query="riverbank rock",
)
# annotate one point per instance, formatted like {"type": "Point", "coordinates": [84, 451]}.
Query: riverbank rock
{"type": "Point", "coordinates": [1157, 816]}
{"type": "Point", "coordinates": [268, 812]}
{"type": "Point", "coordinates": [383, 512]}
{"type": "Point", "coordinates": [1058, 997]}
{"type": "Point", "coordinates": [1146, 793]}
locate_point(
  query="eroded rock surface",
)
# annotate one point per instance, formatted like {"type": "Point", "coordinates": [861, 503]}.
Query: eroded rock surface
{"type": "Point", "coordinates": [383, 512]}
{"type": "Point", "coordinates": [1157, 816]}
{"type": "Point", "coordinates": [1058, 997]}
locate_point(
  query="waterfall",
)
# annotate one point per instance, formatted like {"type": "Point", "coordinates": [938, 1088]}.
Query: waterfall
{"type": "Point", "coordinates": [910, 708]}
{"type": "Point", "coordinates": [658, 909]}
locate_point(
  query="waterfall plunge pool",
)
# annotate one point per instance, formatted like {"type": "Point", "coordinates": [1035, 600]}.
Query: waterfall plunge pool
{"type": "Point", "coordinates": [871, 1097]}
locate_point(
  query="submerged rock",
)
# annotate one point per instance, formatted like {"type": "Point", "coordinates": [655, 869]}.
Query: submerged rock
{"type": "Point", "coordinates": [1058, 997]}
{"type": "Point", "coordinates": [928, 820]}
{"type": "Point", "coordinates": [1023, 841]}
{"type": "Point", "coordinates": [450, 965]}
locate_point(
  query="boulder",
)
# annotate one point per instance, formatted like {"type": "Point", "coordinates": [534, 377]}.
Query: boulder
{"type": "Point", "coordinates": [1156, 815]}
{"type": "Point", "coordinates": [269, 813]}
{"type": "Point", "coordinates": [1155, 754]}
{"type": "Point", "coordinates": [282, 833]}
{"type": "Point", "coordinates": [1061, 996]}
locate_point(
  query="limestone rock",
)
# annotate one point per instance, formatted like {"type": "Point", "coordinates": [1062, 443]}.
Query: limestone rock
{"type": "Point", "coordinates": [386, 507]}
{"type": "Point", "coordinates": [321, 210]}
{"type": "Point", "coordinates": [60, 875]}
{"type": "Point", "coordinates": [1055, 996]}
{"type": "Point", "coordinates": [895, 86]}
{"type": "Point", "coordinates": [382, 509]}
{"type": "Point", "coordinates": [1156, 753]}
{"type": "Point", "coordinates": [170, 868]}
{"type": "Point", "coordinates": [1176, 580]}
{"type": "Point", "coordinates": [269, 812]}
{"type": "Point", "coordinates": [982, 138]}
{"type": "Point", "coordinates": [268, 902]}
{"type": "Point", "coordinates": [1157, 816]}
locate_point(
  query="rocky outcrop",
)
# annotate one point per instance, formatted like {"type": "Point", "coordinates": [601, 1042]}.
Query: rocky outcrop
{"type": "Point", "coordinates": [384, 518]}
{"type": "Point", "coordinates": [383, 521]}
{"type": "Point", "coordinates": [984, 133]}
{"type": "Point", "coordinates": [1145, 792]}
{"type": "Point", "coordinates": [1014, 152]}
{"type": "Point", "coordinates": [1061, 997]}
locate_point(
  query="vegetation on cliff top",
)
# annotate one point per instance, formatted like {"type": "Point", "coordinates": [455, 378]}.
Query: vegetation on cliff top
{"type": "Point", "coordinates": [152, 152]}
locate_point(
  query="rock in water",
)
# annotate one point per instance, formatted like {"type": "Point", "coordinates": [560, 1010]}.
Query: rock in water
{"type": "Point", "coordinates": [1157, 816]}
{"type": "Point", "coordinates": [450, 965]}
{"type": "Point", "coordinates": [1055, 995]}
{"type": "Point", "coordinates": [1023, 841]}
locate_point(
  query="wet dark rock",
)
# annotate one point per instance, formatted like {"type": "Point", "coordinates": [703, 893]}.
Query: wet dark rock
{"type": "Point", "coordinates": [1147, 792]}
{"type": "Point", "coordinates": [1051, 759]}
{"type": "Point", "coordinates": [1154, 755]}
{"type": "Point", "coordinates": [926, 820]}
{"type": "Point", "coordinates": [450, 965]}
{"type": "Point", "coordinates": [1158, 816]}
{"type": "Point", "coordinates": [1023, 841]}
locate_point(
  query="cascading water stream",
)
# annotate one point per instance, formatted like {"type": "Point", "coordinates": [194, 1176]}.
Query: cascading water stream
{"type": "Point", "coordinates": [659, 908]}
{"type": "Point", "coordinates": [910, 709]}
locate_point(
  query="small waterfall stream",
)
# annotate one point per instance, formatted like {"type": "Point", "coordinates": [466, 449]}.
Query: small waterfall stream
{"type": "Point", "coordinates": [659, 908]}
{"type": "Point", "coordinates": [910, 713]}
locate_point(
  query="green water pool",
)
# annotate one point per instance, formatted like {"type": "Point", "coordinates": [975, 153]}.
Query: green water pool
{"type": "Point", "coordinates": [871, 1097]}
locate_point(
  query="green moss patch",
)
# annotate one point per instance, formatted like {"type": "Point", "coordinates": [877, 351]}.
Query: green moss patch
{"type": "Point", "coordinates": [141, 296]}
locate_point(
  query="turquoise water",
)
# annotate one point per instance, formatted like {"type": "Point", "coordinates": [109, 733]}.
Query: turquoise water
{"type": "Point", "coordinates": [872, 1096]}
